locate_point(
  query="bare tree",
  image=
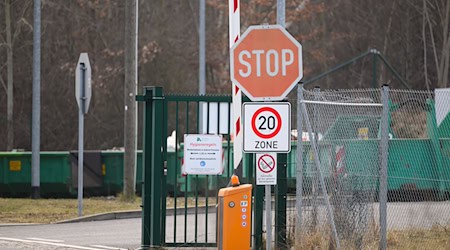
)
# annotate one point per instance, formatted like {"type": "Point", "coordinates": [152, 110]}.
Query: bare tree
{"type": "Point", "coordinates": [8, 43]}
{"type": "Point", "coordinates": [413, 35]}
{"type": "Point", "coordinates": [436, 38]}
{"type": "Point", "coordinates": [10, 84]}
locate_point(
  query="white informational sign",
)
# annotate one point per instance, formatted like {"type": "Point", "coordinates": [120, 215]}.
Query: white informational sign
{"type": "Point", "coordinates": [266, 169]}
{"type": "Point", "coordinates": [203, 154]}
{"type": "Point", "coordinates": [267, 127]}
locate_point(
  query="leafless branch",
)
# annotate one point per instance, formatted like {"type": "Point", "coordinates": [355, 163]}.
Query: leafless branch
{"type": "Point", "coordinates": [424, 39]}
{"type": "Point", "coordinates": [3, 84]}
{"type": "Point", "coordinates": [433, 44]}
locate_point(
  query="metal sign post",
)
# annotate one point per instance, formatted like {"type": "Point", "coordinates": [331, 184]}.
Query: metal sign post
{"type": "Point", "coordinates": [83, 92]}
{"type": "Point", "coordinates": [266, 174]}
{"type": "Point", "coordinates": [267, 127]}
{"type": "Point", "coordinates": [268, 217]}
{"type": "Point", "coordinates": [270, 81]}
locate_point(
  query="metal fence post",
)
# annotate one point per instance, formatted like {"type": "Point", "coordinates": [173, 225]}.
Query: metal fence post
{"type": "Point", "coordinates": [281, 187]}
{"type": "Point", "coordinates": [280, 202]}
{"type": "Point", "coordinates": [384, 145]}
{"type": "Point", "coordinates": [146, 173]}
{"type": "Point", "coordinates": [374, 67]}
{"type": "Point", "coordinates": [299, 172]}
{"type": "Point", "coordinates": [258, 206]}
{"type": "Point", "coordinates": [157, 166]}
{"type": "Point", "coordinates": [153, 168]}
{"type": "Point", "coordinates": [165, 170]}
{"type": "Point", "coordinates": [315, 179]}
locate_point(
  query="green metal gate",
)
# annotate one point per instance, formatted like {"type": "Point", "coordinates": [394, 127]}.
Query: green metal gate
{"type": "Point", "coordinates": [180, 210]}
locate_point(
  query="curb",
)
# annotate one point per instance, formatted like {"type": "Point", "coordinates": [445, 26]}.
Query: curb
{"type": "Point", "coordinates": [19, 224]}
{"type": "Point", "coordinates": [94, 217]}
{"type": "Point", "coordinates": [104, 216]}
{"type": "Point", "coordinates": [129, 214]}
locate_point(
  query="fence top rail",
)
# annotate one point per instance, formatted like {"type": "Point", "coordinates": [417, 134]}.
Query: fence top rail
{"type": "Point", "coordinates": [198, 98]}
{"type": "Point", "coordinates": [343, 103]}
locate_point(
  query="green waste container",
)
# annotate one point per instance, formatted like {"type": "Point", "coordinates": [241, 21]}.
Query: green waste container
{"type": "Point", "coordinates": [15, 178]}
{"type": "Point", "coordinates": [411, 166]}
{"type": "Point", "coordinates": [55, 174]}
{"type": "Point", "coordinates": [112, 171]}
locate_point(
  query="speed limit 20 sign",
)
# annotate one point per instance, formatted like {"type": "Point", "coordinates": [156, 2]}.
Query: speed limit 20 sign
{"type": "Point", "coordinates": [267, 127]}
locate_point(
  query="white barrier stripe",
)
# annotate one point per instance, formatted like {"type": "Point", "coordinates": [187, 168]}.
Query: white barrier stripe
{"type": "Point", "coordinates": [237, 144]}
{"type": "Point", "coordinates": [49, 240]}
{"type": "Point", "coordinates": [234, 21]}
{"type": "Point", "coordinates": [234, 33]}
{"type": "Point", "coordinates": [49, 243]}
{"type": "Point", "coordinates": [344, 103]}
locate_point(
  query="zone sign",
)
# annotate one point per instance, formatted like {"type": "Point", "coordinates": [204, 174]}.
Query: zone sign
{"type": "Point", "coordinates": [267, 127]}
{"type": "Point", "coordinates": [266, 63]}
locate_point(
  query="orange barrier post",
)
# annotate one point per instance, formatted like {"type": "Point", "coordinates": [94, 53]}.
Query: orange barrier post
{"type": "Point", "coordinates": [234, 225]}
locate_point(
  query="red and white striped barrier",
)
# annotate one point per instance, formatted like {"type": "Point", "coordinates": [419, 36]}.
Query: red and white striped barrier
{"type": "Point", "coordinates": [235, 31]}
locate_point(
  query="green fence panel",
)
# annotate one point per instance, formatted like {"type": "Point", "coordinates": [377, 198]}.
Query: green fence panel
{"type": "Point", "coordinates": [192, 196]}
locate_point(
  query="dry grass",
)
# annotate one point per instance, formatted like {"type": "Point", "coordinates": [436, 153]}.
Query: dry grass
{"type": "Point", "coordinates": [436, 238]}
{"type": "Point", "coordinates": [52, 210]}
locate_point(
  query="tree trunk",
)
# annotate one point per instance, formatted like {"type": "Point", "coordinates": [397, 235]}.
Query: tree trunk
{"type": "Point", "coordinates": [424, 40]}
{"type": "Point", "coordinates": [10, 91]}
{"type": "Point", "coordinates": [444, 64]}
{"type": "Point", "coordinates": [130, 116]}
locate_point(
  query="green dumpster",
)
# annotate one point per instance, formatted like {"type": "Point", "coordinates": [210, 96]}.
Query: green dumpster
{"type": "Point", "coordinates": [55, 174]}
{"type": "Point", "coordinates": [112, 171]}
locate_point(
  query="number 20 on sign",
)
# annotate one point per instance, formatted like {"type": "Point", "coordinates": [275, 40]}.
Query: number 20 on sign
{"type": "Point", "coordinates": [267, 127]}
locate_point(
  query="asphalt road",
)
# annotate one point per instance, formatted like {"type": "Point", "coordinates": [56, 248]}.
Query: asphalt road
{"type": "Point", "coordinates": [108, 234]}
{"type": "Point", "coordinates": [98, 235]}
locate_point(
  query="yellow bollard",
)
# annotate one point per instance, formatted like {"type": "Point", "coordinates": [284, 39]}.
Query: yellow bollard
{"type": "Point", "coordinates": [234, 213]}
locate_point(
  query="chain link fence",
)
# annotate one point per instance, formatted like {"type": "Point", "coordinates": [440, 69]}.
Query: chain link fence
{"type": "Point", "coordinates": [338, 181]}
{"type": "Point", "coordinates": [419, 161]}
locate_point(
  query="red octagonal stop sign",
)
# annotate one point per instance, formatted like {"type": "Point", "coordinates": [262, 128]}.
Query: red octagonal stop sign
{"type": "Point", "coordinates": [266, 63]}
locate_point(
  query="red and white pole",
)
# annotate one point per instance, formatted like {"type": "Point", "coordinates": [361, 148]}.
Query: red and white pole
{"type": "Point", "coordinates": [235, 31]}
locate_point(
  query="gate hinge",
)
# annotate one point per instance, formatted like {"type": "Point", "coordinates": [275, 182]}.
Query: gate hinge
{"type": "Point", "coordinates": [165, 168]}
{"type": "Point", "coordinates": [140, 98]}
